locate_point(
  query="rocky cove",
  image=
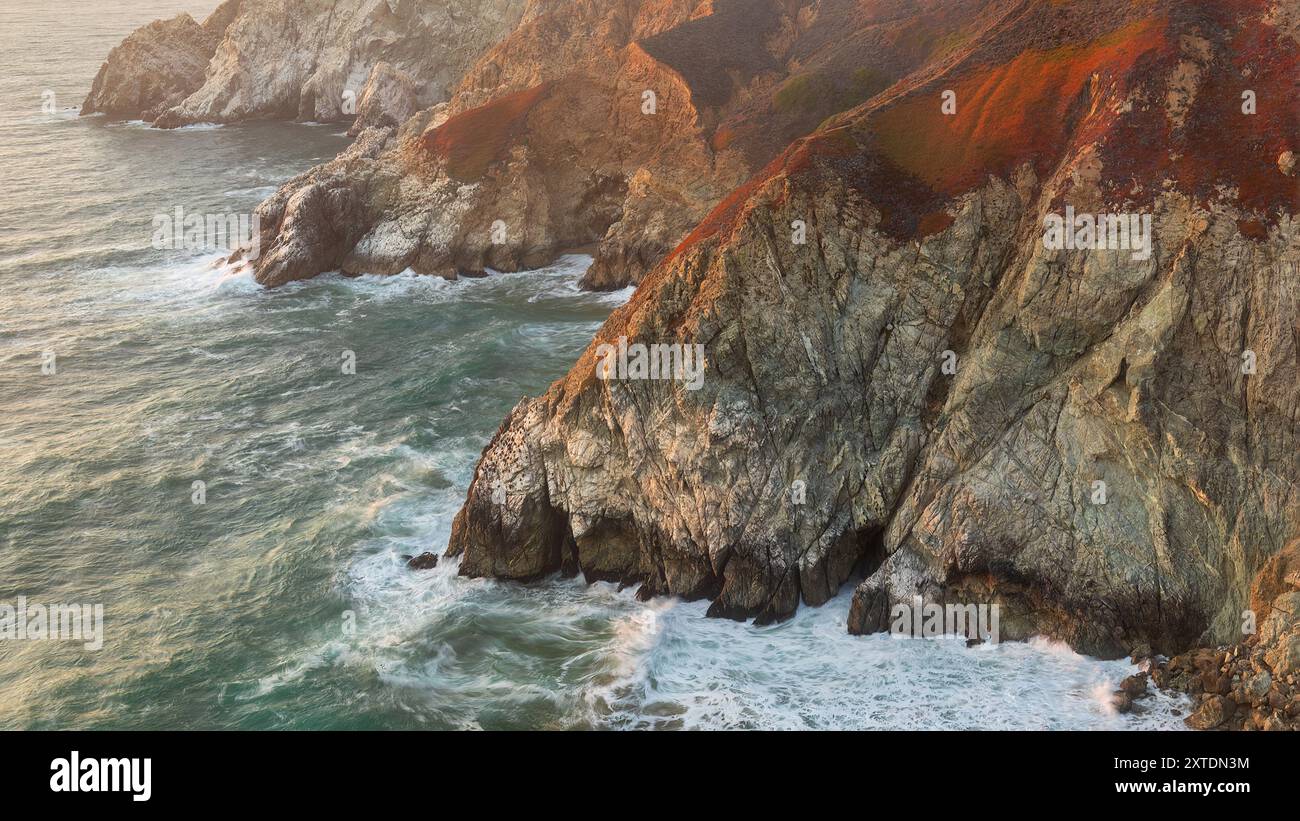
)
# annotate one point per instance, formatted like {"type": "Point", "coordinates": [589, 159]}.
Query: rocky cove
{"type": "Point", "coordinates": [800, 202]}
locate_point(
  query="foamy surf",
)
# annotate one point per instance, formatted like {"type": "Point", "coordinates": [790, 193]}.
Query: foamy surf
{"type": "Point", "coordinates": [457, 652]}
{"type": "Point", "coordinates": [596, 657]}
{"type": "Point", "coordinates": [604, 659]}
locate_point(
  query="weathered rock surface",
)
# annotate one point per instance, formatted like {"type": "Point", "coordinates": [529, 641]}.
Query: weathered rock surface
{"type": "Point", "coordinates": [297, 59]}
{"type": "Point", "coordinates": [390, 98]}
{"type": "Point", "coordinates": [158, 66]}
{"type": "Point", "coordinates": [615, 124]}
{"type": "Point", "coordinates": [828, 439]}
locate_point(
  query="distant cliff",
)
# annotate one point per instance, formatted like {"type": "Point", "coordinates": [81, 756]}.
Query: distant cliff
{"type": "Point", "coordinates": [296, 59]}
{"type": "Point", "coordinates": [616, 124]}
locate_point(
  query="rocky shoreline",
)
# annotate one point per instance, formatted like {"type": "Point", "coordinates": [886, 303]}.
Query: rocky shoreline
{"type": "Point", "coordinates": [1231, 687]}
{"type": "Point", "coordinates": [907, 387]}
{"type": "Point", "coordinates": [617, 124]}
{"type": "Point", "coordinates": [1253, 684]}
{"type": "Point", "coordinates": [1095, 459]}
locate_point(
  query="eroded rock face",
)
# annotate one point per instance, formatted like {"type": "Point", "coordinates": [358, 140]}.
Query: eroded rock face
{"type": "Point", "coordinates": [1102, 442]}
{"type": "Point", "coordinates": [390, 98]}
{"type": "Point", "coordinates": [619, 125]}
{"type": "Point", "coordinates": [297, 59]}
{"type": "Point", "coordinates": [158, 66]}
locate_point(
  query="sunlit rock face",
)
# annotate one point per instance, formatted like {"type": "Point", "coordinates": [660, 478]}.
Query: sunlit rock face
{"type": "Point", "coordinates": [909, 384]}
{"type": "Point", "coordinates": [605, 126]}
{"type": "Point", "coordinates": [156, 67]}
{"type": "Point", "coordinates": [294, 59]}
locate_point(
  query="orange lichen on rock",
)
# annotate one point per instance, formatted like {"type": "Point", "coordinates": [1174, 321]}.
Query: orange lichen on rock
{"type": "Point", "coordinates": [472, 141]}
{"type": "Point", "coordinates": [722, 139]}
{"type": "Point", "coordinates": [1005, 114]}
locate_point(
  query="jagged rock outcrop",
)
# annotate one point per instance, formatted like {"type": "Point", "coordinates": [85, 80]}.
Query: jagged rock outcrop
{"type": "Point", "coordinates": [1102, 442]}
{"type": "Point", "coordinates": [614, 124]}
{"type": "Point", "coordinates": [296, 59]}
{"type": "Point", "coordinates": [158, 66]}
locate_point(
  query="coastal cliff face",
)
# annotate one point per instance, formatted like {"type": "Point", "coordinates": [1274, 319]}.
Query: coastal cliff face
{"type": "Point", "coordinates": [295, 59]}
{"type": "Point", "coordinates": [609, 125]}
{"type": "Point", "coordinates": [158, 66]}
{"type": "Point", "coordinates": [906, 385]}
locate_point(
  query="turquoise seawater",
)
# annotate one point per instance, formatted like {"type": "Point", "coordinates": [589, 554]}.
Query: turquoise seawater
{"type": "Point", "coordinates": [283, 601]}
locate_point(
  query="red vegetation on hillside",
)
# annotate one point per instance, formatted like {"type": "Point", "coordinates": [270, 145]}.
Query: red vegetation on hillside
{"type": "Point", "coordinates": [1006, 114]}
{"type": "Point", "coordinates": [1219, 145]}
{"type": "Point", "coordinates": [796, 159]}
{"type": "Point", "coordinates": [473, 140]}
{"type": "Point", "coordinates": [910, 160]}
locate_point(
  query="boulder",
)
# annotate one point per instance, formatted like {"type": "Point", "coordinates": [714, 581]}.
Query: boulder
{"type": "Point", "coordinates": [1211, 713]}
{"type": "Point", "coordinates": [425, 561]}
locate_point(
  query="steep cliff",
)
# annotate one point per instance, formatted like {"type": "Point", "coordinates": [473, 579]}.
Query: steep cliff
{"type": "Point", "coordinates": [294, 59]}
{"type": "Point", "coordinates": [158, 66]}
{"type": "Point", "coordinates": [614, 124]}
{"type": "Point", "coordinates": [906, 384]}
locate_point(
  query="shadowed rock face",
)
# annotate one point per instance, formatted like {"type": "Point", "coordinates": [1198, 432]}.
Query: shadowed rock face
{"type": "Point", "coordinates": [296, 59]}
{"type": "Point", "coordinates": [616, 125]}
{"type": "Point", "coordinates": [1111, 453]}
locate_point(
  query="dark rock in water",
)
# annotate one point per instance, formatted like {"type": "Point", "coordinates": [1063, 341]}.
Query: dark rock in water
{"type": "Point", "coordinates": [1135, 685]}
{"type": "Point", "coordinates": [425, 561]}
{"type": "Point", "coordinates": [1122, 701]}
{"type": "Point", "coordinates": [1161, 676]}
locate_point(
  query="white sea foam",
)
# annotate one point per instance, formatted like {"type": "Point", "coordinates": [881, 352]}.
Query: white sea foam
{"type": "Point", "coordinates": [558, 281]}
{"type": "Point", "coordinates": [810, 673]}
{"type": "Point", "coordinates": [662, 664]}
{"type": "Point", "coordinates": [261, 191]}
{"type": "Point", "coordinates": [197, 127]}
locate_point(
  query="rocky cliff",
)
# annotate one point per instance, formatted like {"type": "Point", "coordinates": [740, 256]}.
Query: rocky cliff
{"type": "Point", "coordinates": [909, 385]}
{"type": "Point", "coordinates": [615, 125]}
{"type": "Point", "coordinates": [297, 59]}
{"type": "Point", "coordinates": [158, 66]}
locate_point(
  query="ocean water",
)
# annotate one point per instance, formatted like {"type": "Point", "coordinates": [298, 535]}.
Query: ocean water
{"type": "Point", "coordinates": [283, 601]}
